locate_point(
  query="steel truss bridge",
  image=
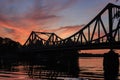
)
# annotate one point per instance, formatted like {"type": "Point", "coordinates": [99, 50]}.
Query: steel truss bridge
{"type": "Point", "coordinates": [102, 32]}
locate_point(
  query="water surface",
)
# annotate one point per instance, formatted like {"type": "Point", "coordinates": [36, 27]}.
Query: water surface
{"type": "Point", "coordinates": [89, 68]}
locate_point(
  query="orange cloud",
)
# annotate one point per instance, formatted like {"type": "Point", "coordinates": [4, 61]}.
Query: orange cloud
{"type": "Point", "coordinates": [66, 31]}
{"type": "Point", "coordinates": [19, 18]}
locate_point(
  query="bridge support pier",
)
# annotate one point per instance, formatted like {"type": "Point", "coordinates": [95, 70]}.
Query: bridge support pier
{"type": "Point", "coordinates": [111, 65]}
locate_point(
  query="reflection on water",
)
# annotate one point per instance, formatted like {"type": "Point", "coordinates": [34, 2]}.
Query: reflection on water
{"type": "Point", "coordinates": [32, 69]}
{"type": "Point", "coordinates": [39, 68]}
{"type": "Point", "coordinates": [91, 68]}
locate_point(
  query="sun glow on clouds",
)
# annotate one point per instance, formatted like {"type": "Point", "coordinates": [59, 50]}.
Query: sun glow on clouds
{"type": "Point", "coordinates": [19, 18]}
{"type": "Point", "coordinates": [66, 31]}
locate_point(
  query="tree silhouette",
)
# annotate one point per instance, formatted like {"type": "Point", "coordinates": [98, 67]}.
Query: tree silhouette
{"type": "Point", "coordinates": [8, 46]}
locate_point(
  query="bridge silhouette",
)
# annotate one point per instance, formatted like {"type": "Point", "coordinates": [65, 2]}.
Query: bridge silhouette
{"type": "Point", "coordinates": [102, 32]}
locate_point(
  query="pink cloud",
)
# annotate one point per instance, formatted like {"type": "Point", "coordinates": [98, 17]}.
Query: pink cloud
{"type": "Point", "coordinates": [66, 31]}
{"type": "Point", "coordinates": [19, 18]}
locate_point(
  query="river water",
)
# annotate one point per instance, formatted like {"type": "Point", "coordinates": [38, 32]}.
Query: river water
{"type": "Point", "coordinates": [91, 68]}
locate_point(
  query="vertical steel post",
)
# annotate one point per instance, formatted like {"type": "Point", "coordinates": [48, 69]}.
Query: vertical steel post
{"type": "Point", "coordinates": [110, 25]}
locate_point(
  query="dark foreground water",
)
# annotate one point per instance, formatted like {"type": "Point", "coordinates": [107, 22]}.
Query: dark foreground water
{"type": "Point", "coordinates": [90, 69]}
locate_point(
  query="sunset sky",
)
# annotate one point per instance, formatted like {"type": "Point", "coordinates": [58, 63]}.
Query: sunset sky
{"type": "Point", "coordinates": [64, 17]}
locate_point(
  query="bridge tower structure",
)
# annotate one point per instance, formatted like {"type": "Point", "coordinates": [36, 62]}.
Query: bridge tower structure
{"type": "Point", "coordinates": [42, 39]}
{"type": "Point", "coordinates": [103, 31]}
